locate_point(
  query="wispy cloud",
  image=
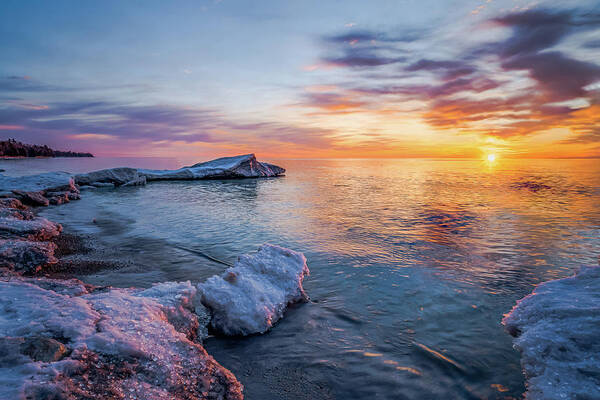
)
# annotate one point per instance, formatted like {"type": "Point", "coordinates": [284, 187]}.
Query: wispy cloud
{"type": "Point", "coordinates": [517, 85]}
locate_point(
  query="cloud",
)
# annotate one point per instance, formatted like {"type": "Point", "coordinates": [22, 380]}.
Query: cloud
{"type": "Point", "coordinates": [507, 87]}
{"type": "Point", "coordinates": [448, 70]}
{"type": "Point", "coordinates": [559, 77]}
{"type": "Point", "coordinates": [11, 127]}
{"type": "Point", "coordinates": [128, 127]}
{"type": "Point", "coordinates": [331, 102]}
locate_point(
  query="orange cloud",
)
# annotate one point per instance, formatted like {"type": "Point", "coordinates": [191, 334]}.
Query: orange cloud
{"type": "Point", "coordinates": [11, 127]}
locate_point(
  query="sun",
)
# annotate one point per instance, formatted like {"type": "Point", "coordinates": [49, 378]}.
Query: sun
{"type": "Point", "coordinates": [491, 157]}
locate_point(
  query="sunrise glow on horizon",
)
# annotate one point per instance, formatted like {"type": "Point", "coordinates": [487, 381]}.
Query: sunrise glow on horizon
{"type": "Point", "coordinates": [474, 79]}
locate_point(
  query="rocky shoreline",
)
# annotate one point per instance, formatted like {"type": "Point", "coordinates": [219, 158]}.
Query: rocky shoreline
{"type": "Point", "coordinates": [61, 338]}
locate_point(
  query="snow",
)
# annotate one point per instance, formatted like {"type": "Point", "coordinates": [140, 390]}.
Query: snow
{"type": "Point", "coordinates": [253, 294]}
{"type": "Point", "coordinates": [119, 341]}
{"type": "Point", "coordinates": [557, 330]}
{"type": "Point", "coordinates": [49, 181]}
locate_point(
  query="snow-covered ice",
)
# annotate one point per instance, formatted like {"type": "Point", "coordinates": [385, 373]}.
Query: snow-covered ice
{"type": "Point", "coordinates": [253, 294]}
{"type": "Point", "coordinates": [246, 166]}
{"type": "Point", "coordinates": [557, 331]}
{"type": "Point", "coordinates": [49, 181]}
{"type": "Point", "coordinates": [117, 342]}
{"type": "Point", "coordinates": [117, 176]}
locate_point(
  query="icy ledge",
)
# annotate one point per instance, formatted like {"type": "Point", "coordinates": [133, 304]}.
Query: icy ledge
{"type": "Point", "coordinates": [253, 294]}
{"type": "Point", "coordinates": [64, 340]}
{"type": "Point", "coordinates": [557, 331]}
{"type": "Point", "coordinates": [246, 166]}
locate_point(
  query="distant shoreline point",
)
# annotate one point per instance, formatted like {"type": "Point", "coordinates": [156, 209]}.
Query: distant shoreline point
{"type": "Point", "coordinates": [11, 149]}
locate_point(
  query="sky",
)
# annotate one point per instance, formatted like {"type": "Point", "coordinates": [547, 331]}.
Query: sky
{"type": "Point", "coordinates": [303, 78]}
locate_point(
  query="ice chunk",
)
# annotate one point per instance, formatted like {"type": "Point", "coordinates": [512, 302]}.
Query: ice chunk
{"type": "Point", "coordinates": [253, 294]}
{"type": "Point", "coordinates": [49, 181]}
{"type": "Point", "coordinates": [117, 176]}
{"type": "Point", "coordinates": [557, 330]}
{"type": "Point", "coordinates": [246, 166]}
{"type": "Point", "coordinates": [59, 339]}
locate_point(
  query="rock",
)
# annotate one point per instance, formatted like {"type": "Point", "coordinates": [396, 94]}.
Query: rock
{"type": "Point", "coordinates": [25, 255]}
{"type": "Point", "coordinates": [40, 183]}
{"type": "Point", "coordinates": [40, 348]}
{"type": "Point", "coordinates": [245, 166]}
{"type": "Point", "coordinates": [253, 294]}
{"type": "Point", "coordinates": [115, 176]}
{"type": "Point", "coordinates": [12, 203]}
{"type": "Point", "coordinates": [557, 331]}
{"type": "Point", "coordinates": [89, 187]}
{"type": "Point", "coordinates": [37, 228]}
{"type": "Point", "coordinates": [122, 344]}
{"type": "Point", "coordinates": [32, 198]}
{"type": "Point", "coordinates": [73, 196]}
{"type": "Point", "coordinates": [97, 185]}
{"type": "Point", "coordinates": [16, 213]}
{"type": "Point", "coordinates": [58, 199]}
{"type": "Point", "coordinates": [139, 181]}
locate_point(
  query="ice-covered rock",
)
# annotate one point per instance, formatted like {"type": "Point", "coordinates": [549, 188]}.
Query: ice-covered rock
{"type": "Point", "coordinates": [116, 176]}
{"type": "Point", "coordinates": [41, 189]}
{"type": "Point", "coordinates": [245, 166]}
{"type": "Point", "coordinates": [253, 294]}
{"type": "Point", "coordinates": [49, 181]}
{"type": "Point", "coordinates": [557, 331]}
{"type": "Point", "coordinates": [37, 228]}
{"type": "Point", "coordinates": [139, 181]}
{"type": "Point", "coordinates": [63, 340]}
{"type": "Point", "coordinates": [26, 255]}
{"type": "Point", "coordinates": [183, 307]}
{"type": "Point", "coordinates": [32, 198]}
{"type": "Point", "coordinates": [11, 202]}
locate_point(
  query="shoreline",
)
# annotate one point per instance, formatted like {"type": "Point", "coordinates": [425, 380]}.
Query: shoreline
{"type": "Point", "coordinates": [76, 255]}
{"type": "Point", "coordinates": [39, 262]}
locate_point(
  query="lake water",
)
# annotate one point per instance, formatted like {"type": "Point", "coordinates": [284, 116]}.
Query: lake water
{"type": "Point", "coordinates": [413, 263]}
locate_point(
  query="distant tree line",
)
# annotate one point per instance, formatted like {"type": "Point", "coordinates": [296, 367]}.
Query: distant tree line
{"type": "Point", "coordinates": [12, 148]}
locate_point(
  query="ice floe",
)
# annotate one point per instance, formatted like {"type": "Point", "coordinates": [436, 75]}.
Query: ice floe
{"type": "Point", "coordinates": [557, 331]}
{"type": "Point", "coordinates": [253, 294]}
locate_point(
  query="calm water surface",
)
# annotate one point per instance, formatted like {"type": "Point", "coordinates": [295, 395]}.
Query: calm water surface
{"type": "Point", "coordinates": [413, 263]}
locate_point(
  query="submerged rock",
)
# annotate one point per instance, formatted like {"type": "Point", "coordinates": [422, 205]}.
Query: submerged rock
{"type": "Point", "coordinates": [253, 294]}
{"type": "Point", "coordinates": [103, 343]}
{"type": "Point", "coordinates": [557, 331]}
{"type": "Point", "coordinates": [245, 166]}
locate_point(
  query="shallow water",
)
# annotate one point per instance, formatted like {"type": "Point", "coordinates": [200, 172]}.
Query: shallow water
{"type": "Point", "coordinates": [413, 263]}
